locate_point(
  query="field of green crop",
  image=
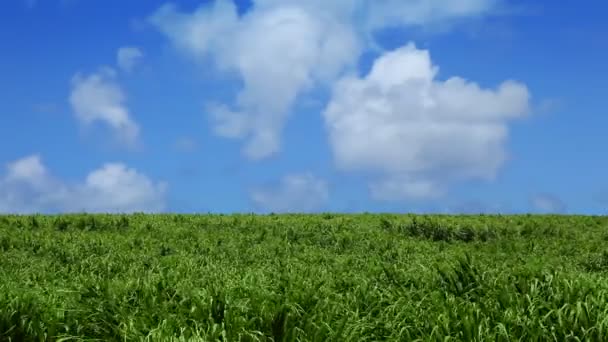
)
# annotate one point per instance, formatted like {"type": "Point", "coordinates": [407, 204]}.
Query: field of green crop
{"type": "Point", "coordinates": [303, 278]}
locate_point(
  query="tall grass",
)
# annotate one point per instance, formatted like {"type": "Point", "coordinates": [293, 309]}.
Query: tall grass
{"type": "Point", "coordinates": [322, 277]}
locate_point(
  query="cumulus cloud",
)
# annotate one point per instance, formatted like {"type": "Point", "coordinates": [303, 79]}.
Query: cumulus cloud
{"type": "Point", "coordinates": [99, 98]}
{"type": "Point", "coordinates": [279, 52]}
{"type": "Point", "coordinates": [416, 133]}
{"type": "Point", "coordinates": [28, 187]}
{"type": "Point", "coordinates": [128, 57]}
{"type": "Point", "coordinates": [547, 203]}
{"type": "Point", "coordinates": [294, 193]}
{"type": "Point", "coordinates": [29, 170]}
{"type": "Point", "coordinates": [283, 48]}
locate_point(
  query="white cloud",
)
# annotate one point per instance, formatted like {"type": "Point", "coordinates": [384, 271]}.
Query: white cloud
{"type": "Point", "coordinates": [185, 144]}
{"type": "Point", "coordinates": [374, 15]}
{"type": "Point", "coordinates": [423, 12]}
{"type": "Point", "coordinates": [283, 48]}
{"type": "Point", "coordinates": [28, 169]}
{"type": "Point", "coordinates": [279, 51]}
{"type": "Point", "coordinates": [420, 134]}
{"type": "Point", "coordinates": [99, 98]}
{"type": "Point", "coordinates": [114, 187]}
{"type": "Point", "coordinates": [28, 187]}
{"type": "Point", "coordinates": [416, 133]}
{"type": "Point", "coordinates": [395, 188]}
{"type": "Point", "coordinates": [547, 203]}
{"type": "Point", "coordinates": [128, 57]}
{"type": "Point", "coordinates": [294, 193]}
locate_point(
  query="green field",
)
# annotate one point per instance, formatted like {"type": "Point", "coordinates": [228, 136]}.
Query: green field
{"type": "Point", "coordinates": [303, 278]}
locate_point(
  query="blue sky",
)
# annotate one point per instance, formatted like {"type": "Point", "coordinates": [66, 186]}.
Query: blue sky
{"type": "Point", "coordinates": [268, 105]}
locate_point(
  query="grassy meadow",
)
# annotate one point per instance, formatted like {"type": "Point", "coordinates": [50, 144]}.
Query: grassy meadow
{"type": "Point", "coordinates": [326, 277]}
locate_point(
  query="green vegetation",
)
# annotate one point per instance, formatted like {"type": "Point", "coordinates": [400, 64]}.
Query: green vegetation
{"type": "Point", "coordinates": [303, 278]}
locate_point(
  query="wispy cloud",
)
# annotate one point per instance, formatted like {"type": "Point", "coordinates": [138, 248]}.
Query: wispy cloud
{"type": "Point", "coordinates": [294, 193]}
{"type": "Point", "coordinates": [185, 144]}
{"type": "Point", "coordinates": [547, 203]}
{"type": "Point", "coordinates": [128, 57]}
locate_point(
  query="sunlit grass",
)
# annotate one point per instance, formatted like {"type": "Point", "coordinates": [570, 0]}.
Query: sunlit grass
{"type": "Point", "coordinates": [303, 278]}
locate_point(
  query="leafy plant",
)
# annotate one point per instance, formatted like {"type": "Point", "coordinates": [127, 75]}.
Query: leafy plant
{"type": "Point", "coordinates": [294, 277]}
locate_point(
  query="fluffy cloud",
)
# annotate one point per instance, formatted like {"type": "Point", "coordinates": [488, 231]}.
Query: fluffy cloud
{"type": "Point", "coordinates": [294, 193]}
{"type": "Point", "coordinates": [127, 57]}
{"type": "Point", "coordinates": [28, 187]}
{"type": "Point", "coordinates": [291, 46]}
{"type": "Point", "coordinates": [28, 170]}
{"type": "Point", "coordinates": [547, 203]}
{"type": "Point", "coordinates": [283, 48]}
{"type": "Point", "coordinates": [99, 98]}
{"type": "Point", "coordinates": [416, 133]}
